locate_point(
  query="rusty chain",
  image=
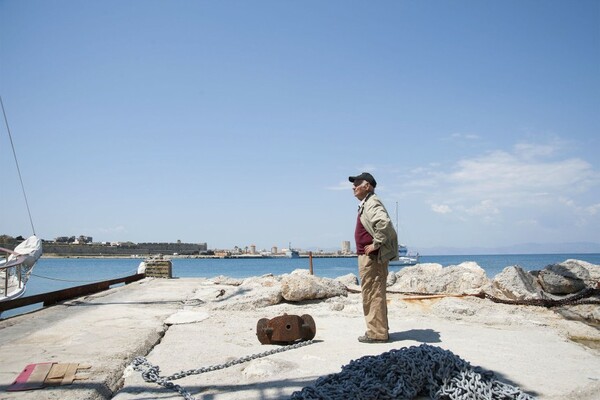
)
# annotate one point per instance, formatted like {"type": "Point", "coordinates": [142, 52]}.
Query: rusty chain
{"type": "Point", "coordinates": [404, 373]}
{"type": "Point", "coordinates": [151, 373]}
{"type": "Point", "coordinates": [578, 298]}
{"type": "Point", "coordinates": [408, 373]}
{"type": "Point", "coordinates": [582, 297]}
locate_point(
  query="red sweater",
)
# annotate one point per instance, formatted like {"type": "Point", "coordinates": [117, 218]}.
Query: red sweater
{"type": "Point", "coordinates": [362, 237]}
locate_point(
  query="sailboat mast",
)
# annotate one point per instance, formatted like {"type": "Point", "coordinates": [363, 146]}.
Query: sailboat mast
{"type": "Point", "coordinates": [17, 164]}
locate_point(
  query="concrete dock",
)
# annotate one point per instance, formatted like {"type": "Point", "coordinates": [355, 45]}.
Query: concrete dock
{"type": "Point", "coordinates": [179, 324]}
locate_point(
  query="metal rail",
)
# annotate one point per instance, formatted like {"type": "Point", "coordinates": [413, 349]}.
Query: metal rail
{"type": "Point", "coordinates": [66, 294]}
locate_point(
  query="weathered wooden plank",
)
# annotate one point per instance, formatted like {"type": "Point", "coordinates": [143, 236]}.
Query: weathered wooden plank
{"type": "Point", "coordinates": [56, 374]}
{"type": "Point", "coordinates": [70, 374]}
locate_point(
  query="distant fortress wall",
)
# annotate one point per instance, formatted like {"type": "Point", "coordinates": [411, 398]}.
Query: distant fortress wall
{"type": "Point", "coordinates": [143, 249]}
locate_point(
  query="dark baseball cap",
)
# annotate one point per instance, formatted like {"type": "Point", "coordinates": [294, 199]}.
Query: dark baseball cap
{"type": "Point", "coordinates": [365, 176]}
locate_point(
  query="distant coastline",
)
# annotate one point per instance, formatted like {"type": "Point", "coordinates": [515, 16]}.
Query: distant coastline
{"type": "Point", "coordinates": [200, 250]}
{"type": "Point", "coordinates": [171, 256]}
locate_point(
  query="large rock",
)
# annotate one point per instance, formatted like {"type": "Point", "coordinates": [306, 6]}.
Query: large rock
{"type": "Point", "coordinates": [348, 280]}
{"type": "Point", "coordinates": [589, 313]}
{"type": "Point", "coordinates": [514, 283]}
{"type": "Point", "coordinates": [588, 272]}
{"type": "Point", "coordinates": [253, 293]}
{"type": "Point", "coordinates": [467, 277]}
{"type": "Point", "coordinates": [568, 277]}
{"type": "Point", "coordinates": [226, 280]}
{"type": "Point", "coordinates": [416, 279]}
{"type": "Point", "coordinates": [391, 279]}
{"type": "Point", "coordinates": [300, 286]}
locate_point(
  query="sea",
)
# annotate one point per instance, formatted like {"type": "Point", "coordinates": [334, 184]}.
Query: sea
{"type": "Point", "coordinates": [52, 274]}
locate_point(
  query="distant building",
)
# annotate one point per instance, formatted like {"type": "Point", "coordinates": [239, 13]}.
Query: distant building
{"type": "Point", "coordinates": [274, 250]}
{"type": "Point", "coordinates": [346, 247]}
{"type": "Point", "coordinates": [252, 249]}
{"type": "Point", "coordinates": [83, 240]}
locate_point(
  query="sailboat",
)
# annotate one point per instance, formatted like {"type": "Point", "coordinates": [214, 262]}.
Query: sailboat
{"type": "Point", "coordinates": [404, 258]}
{"type": "Point", "coordinates": [16, 265]}
{"type": "Point", "coordinates": [291, 253]}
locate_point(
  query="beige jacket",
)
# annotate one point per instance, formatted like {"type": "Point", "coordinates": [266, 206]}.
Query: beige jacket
{"type": "Point", "coordinates": [376, 221]}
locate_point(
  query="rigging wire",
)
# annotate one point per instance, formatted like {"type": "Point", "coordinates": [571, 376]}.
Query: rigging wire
{"type": "Point", "coordinates": [80, 281]}
{"type": "Point", "coordinates": [17, 164]}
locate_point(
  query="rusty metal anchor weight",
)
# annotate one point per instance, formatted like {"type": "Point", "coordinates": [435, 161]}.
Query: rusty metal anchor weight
{"type": "Point", "coordinates": [286, 329]}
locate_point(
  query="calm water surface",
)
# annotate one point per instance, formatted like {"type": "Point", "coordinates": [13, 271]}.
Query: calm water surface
{"type": "Point", "coordinates": [58, 273]}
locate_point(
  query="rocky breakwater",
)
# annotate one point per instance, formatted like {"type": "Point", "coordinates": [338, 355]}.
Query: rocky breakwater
{"type": "Point", "coordinates": [571, 288]}
{"type": "Point", "coordinates": [460, 292]}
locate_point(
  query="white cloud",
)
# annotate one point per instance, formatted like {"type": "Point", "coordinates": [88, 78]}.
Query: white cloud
{"type": "Point", "coordinates": [530, 177]}
{"type": "Point", "coordinates": [528, 222]}
{"type": "Point", "coordinates": [485, 207]}
{"type": "Point", "coordinates": [464, 136]}
{"type": "Point", "coordinates": [441, 208]}
{"type": "Point", "coordinates": [567, 202]}
{"type": "Point", "coordinates": [527, 193]}
{"type": "Point", "coordinates": [508, 177]}
{"type": "Point", "coordinates": [116, 229]}
{"type": "Point", "coordinates": [593, 209]}
{"type": "Point", "coordinates": [530, 151]}
{"type": "Point", "coordinates": [367, 168]}
{"type": "Point", "coordinates": [342, 185]}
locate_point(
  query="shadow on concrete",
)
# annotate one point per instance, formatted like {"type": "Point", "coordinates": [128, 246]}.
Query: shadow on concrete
{"type": "Point", "coordinates": [77, 390]}
{"type": "Point", "coordinates": [418, 335]}
{"type": "Point", "coordinates": [276, 389]}
{"type": "Point", "coordinates": [84, 303]}
{"type": "Point", "coordinates": [273, 389]}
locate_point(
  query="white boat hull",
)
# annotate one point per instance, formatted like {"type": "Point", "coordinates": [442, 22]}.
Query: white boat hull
{"type": "Point", "coordinates": [405, 261]}
{"type": "Point", "coordinates": [16, 268]}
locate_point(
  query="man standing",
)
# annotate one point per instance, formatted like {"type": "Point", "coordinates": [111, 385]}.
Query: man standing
{"type": "Point", "coordinates": [376, 246]}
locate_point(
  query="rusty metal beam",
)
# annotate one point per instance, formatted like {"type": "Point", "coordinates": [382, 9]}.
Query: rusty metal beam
{"type": "Point", "coordinates": [66, 294]}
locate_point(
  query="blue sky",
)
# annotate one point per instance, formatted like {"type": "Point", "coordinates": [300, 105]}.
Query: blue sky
{"type": "Point", "coordinates": [238, 123]}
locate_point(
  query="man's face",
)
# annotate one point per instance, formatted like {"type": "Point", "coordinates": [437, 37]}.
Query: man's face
{"type": "Point", "coordinates": [361, 189]}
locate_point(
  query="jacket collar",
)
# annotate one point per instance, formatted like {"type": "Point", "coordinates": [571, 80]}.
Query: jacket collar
{"type": "Point", "coordinates": [361, 206]}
